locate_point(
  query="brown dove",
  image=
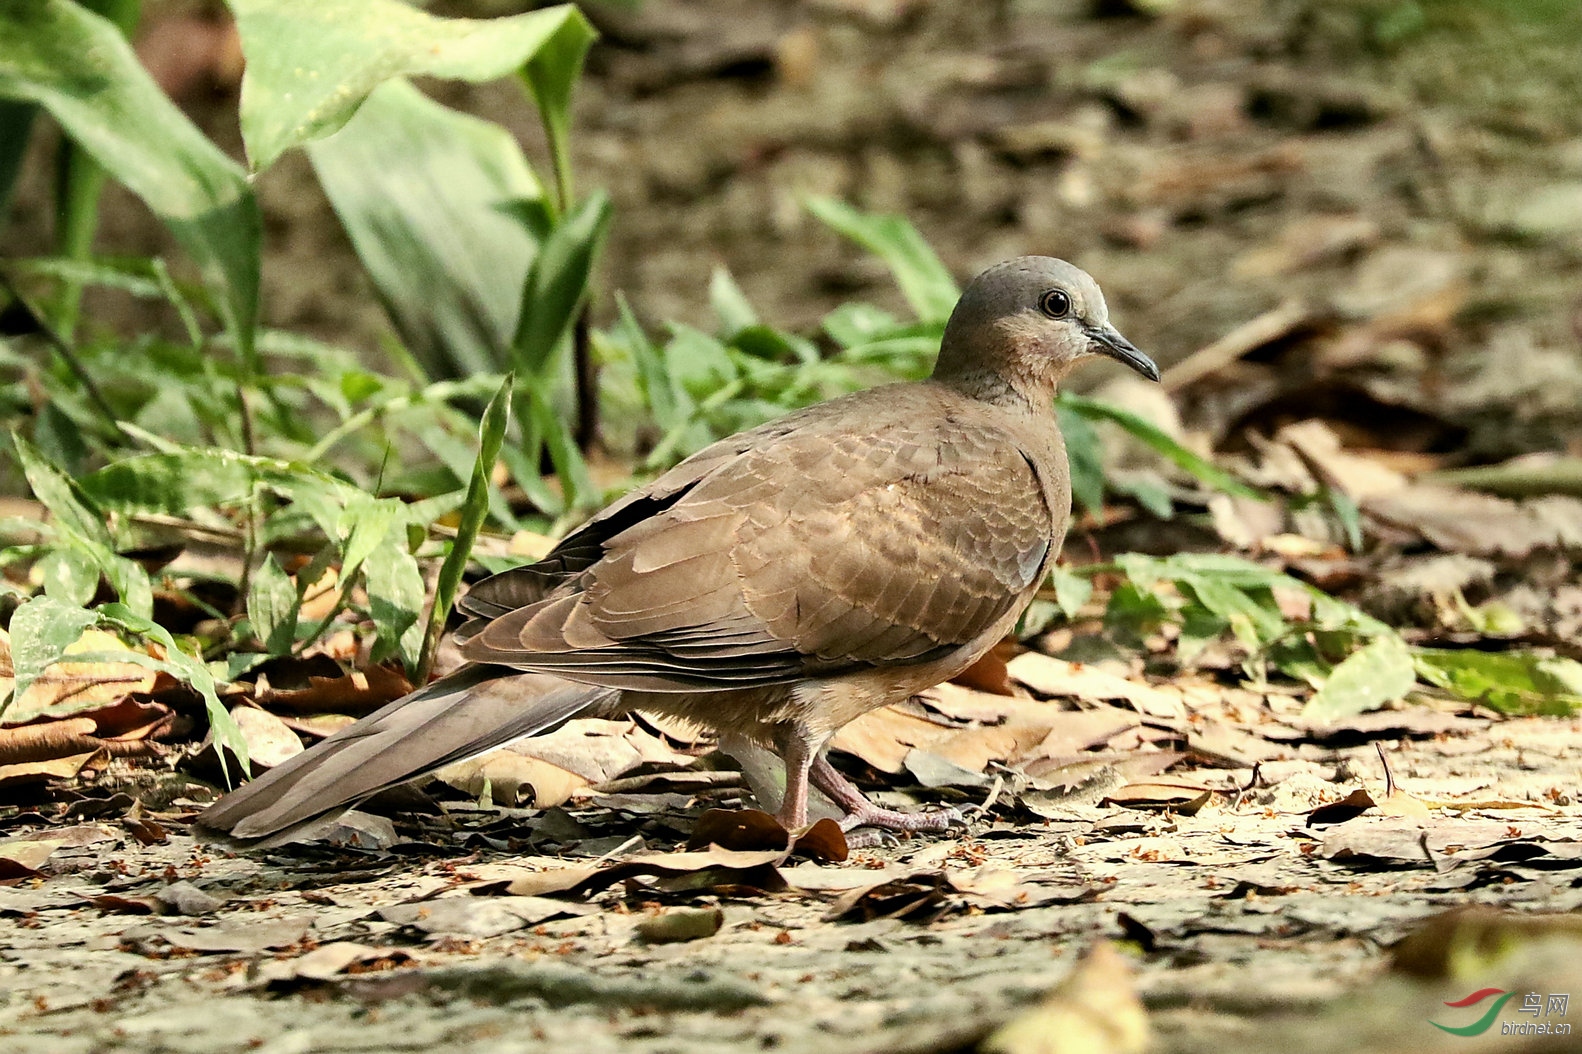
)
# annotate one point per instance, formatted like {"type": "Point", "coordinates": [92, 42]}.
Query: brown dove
{"type": "Point", "coordinates": [774, 585]}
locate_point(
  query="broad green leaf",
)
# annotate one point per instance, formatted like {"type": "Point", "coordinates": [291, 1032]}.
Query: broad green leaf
{"type": "Point", "coordinates": [310, 63]}
{"type": "Point", "coordinates": [1159, 440]}
{"type": "Point", "coordinates": [1071, 591]}
{"type": "Point", "coordinates": [698, 365]}
{"type": "Point", "coordinates": [421, 191]}
{"type": "Point", "coordinates": [82, 527]}
{"type": "Point", "coordinates": [1510, 682]}
{"type": "Point", "coordinates": [762, 342]}
{"type": "Point", "coordinates": [1380, 672]}
{"type": "Point", "coordinates": [79, 67]}
{"type": "Point", "coordinates": [924, 281]}
{"type": "Point", "coordinates": [491, 434]}
{"type": "Point", "coordinates": [556, 286]}
{"type": "Point", "coordinates": [41, 631]}
{"type": "Point", "coordinates": [70, 576]}
{"type": "Point", "coordinates": [189, 669]}
{"type": "Point", "coordinates": [273, 601]}
{"type": "Point", "coordinates": [395, 603]}
{"type": "Point", "coordinates": [174, 483]}
{"type": "Point", "coordinates": [73, 509]}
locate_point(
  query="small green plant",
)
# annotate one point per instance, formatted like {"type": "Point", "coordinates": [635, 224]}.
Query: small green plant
{"type": "Point", "coordinates": [1282, 625]}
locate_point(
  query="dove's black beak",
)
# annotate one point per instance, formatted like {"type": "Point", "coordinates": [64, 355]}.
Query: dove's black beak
{"type": "Point", "coordinates": [1106, 341]}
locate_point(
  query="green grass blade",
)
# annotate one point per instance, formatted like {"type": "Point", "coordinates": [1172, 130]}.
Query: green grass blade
{"type": "Point", "coordinates": [491, 434]}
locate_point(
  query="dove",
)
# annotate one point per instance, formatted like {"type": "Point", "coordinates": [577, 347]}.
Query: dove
{"type": "Point", "coordinates": [775, 585]}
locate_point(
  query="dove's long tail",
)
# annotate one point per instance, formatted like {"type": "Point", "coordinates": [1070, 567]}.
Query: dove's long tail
{"type": "Point", "coordinates": [475, 709]}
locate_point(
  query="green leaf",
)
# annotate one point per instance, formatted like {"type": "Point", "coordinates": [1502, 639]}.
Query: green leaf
{"type": "Point", "coordinates": [1153, 436]}
{"type": "Point", "coordinates": [697, 364]}
{"type": "Point", "coordinates": [1348, 516]}
{"type": "Point", "coordinates": [73, 510]}
{"type": "Point", "coordinates": [273, 601]}
{"type": "Point", "coordinates": [419, 189]}
{"type": "Point", "coordinates": [491, 434]}
{"type": "Point", "coordinates": [1379, 673]}
{"type": "Point", "coordinates": [395, 603]}
{"type": "Point", "coordinates": [1071, 591]}
{"type": "Point", "coordinates": [83, 527]}
{"type": "Point", "coordinates": [80, 68]}
{"type": "Point", "coordinates": [190, 669]}
{"type": "Point", "coordinates": [550, 75]}
{"type": "Point", "coordinates": [16, 127]}
{"type": "Point", "coordinates": [924, 281]}
{"type": "Point", "coordinates": [70, 576]}
{"type": "Point", "coordinates": [548, 429]}
{"type": "Point", "coordinates": [730, 304]}
{"type": "Point", "coordinates": [41, 631]}
{"type": "Point", "coordinates": [1085, 458]}
{"type": "Point", "coordinates": [663, 395]}
{"type": "Point", "coordinates": [557, 284]}
{"type": "Point", "coordinates": [854, 323]}
{"type": "Point", "coordinates": [1510, 682]}
{"type": "Point", "coordinates": [310, 63]}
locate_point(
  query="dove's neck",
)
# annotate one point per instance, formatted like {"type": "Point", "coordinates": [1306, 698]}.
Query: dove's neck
{"type": "Point", "coordinates": [996, 389]}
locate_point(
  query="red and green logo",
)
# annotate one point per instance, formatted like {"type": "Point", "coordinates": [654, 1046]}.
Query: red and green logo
{"type": "Point", "coordinates": [1482, 1024]}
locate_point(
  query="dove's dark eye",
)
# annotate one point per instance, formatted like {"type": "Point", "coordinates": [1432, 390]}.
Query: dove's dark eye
{"type": "Point", "coordinates": [1056, 303]}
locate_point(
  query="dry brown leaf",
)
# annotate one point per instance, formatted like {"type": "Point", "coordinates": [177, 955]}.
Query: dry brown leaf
{"type": "Point", "coordinates": [120, 729]}
{"type": "Point", "coordinates": [698, 870]}
{"type": "Point", "coordinates": [55, 769]}
{"type": "Point", "coordinates": [23, 855]}
{"type": "Point", "coordinates": [1355, 475]}
{"type": "Point", "coordinates": [1049, 676]}
{"type": "Point", "coordinates": [509, 775]}
{"type": "Point", "coordinates": [359, 692]}
{"type": "Point", "coordinates": [883, 737]}
{"type": "Point", "coordinates": [1183, 798]}
{"type": "Point", "coordinates": [320, 598]}
{"type": "Point", "coordinates": [988, 673]}
{"type": "Point", "coordinates": [328, 960]}
{"type": "Point", "coordinates": [69, 688]}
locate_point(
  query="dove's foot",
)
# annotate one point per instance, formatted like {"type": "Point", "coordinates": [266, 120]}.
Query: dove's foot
{"type": "Point", "coordinates": [860, 812]}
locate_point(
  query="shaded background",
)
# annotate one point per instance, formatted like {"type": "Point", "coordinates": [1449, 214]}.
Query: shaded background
{"type": "Point", "coordinates": [1410, 171]}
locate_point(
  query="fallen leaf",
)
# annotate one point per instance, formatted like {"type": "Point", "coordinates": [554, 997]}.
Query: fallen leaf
{"type": "Point", "coordinates": [67, 687]}
{"type": "Point", "coordinates": [1049, 676]}
{"type": "Point", "coordinates": [1095, 1010]}
{"type": "Point", "coordinates": [327, 961]}
{"type": "Point", "coordinates": [473, 916]}
{"type": "Point", "coordinates": [671, 927]}
{"type": "Point", "coordinates": [357, 693]}
{"type": "Point", "coordinates": [1183, 798]}
{"type": "Point", "coordinates": [23, 855]}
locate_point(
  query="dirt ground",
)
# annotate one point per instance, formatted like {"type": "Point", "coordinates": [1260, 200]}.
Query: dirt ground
{"type": "Point", "coordinates": [1252, 921]}
{"type": "Point", "coordinates": [1418, 202]}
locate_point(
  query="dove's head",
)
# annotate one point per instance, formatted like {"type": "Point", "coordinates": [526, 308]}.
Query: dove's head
{"type": "Point", "coordinates": [1024, 324]}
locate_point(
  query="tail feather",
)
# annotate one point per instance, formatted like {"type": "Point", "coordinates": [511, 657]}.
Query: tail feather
{"type": "Point", "coordinates": [471, 711]}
